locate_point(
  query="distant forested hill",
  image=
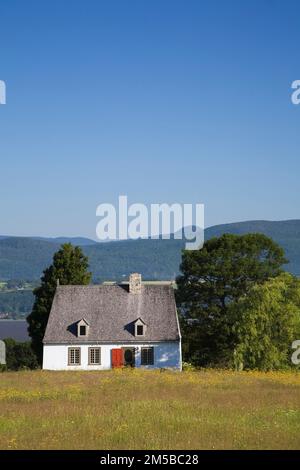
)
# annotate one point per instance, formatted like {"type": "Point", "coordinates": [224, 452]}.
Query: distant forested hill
{"type": "Point", "coordinates": [17, 303]}
{"type": "Point", "coordinates": [25, 258]}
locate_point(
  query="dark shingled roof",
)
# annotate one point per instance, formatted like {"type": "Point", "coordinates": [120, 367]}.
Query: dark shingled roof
{"type": "Point", "coordinates": [110, 311]}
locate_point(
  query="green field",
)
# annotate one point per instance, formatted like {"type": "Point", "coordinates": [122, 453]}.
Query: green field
{"type": "Point", "coordinates": [131, 409]}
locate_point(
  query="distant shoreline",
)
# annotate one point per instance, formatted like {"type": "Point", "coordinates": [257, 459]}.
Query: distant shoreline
{"type": "Point", "coordinates": [12, 319]}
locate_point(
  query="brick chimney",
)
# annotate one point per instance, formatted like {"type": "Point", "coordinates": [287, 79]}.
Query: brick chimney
{"type": "Point", "coordinates": [135, 283]}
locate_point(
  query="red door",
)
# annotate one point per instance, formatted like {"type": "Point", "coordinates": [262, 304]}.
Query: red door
{"type": "Point", "coordinates": [117, 357]}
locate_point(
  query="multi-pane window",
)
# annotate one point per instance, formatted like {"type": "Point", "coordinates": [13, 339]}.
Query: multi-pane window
{"type": "Point", "coordinates": [94, 356]}
{"type": "Point", "coordinates": [74, 357]}
{"type": "Point", "coordinates": [147, 356]}
{"type": "Point", "coordinates": [139, 330]}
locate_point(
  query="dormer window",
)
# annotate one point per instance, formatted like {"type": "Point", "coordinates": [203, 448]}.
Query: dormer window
{"type": "Point", "coordinates": [139, 330]}
{"type": "Point", "coordinates": [139, 327]}
{"type": "Point", "coordinates": [82, 328]}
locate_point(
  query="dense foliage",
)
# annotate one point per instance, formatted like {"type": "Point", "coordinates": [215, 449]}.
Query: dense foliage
{"type": "Point", "coordinates": [69, 267]}
{"type": "Point", "coordinates": [19, 355]}
{"type": "Point", "coordinates": [214, 278]}
{"type": "Point", "coordinates": [265, 322]}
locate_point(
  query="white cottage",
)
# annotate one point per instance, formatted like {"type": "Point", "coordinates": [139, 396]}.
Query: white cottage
{"type": "Point", "coordinates": [100, 327]}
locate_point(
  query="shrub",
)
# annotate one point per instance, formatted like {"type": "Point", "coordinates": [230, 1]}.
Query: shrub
{"type": "Point", "coordinates": [19, 355]}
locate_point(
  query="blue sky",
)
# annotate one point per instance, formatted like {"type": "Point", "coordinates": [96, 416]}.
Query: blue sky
{"type": "Point", "coordinates": [164, 101]}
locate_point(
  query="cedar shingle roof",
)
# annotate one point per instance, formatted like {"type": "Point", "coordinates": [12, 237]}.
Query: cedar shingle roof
{"type": "Point", "coordinates": [110, 310]}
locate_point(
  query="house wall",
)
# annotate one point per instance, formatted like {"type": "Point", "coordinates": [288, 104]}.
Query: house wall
{"type": "Point", "coordinates": [166, 355]}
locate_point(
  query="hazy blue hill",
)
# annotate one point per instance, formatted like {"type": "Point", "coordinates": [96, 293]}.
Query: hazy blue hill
{"type": "Point", "coordinates": [79, 241]}
{"type": "Point", "coordinates": [282, 229]}
{"type": "Point", "coordinates": [25, 258]}
{"type": "Point", "coordinates": [155, 259]}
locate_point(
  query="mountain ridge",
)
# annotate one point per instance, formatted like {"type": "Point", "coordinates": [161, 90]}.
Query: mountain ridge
{"type": "Point", "coordinates": [26, 257]}
{"type": "Point", "coordinates": [79, 241]}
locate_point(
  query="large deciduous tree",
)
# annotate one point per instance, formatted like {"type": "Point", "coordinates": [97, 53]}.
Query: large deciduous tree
{"type": "Point", "coordinates": [212, 278]}
{"type": "Point", "coordinates": [69, 267]}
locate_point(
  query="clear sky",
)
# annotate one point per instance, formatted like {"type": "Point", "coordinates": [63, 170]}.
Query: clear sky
{"type": "Point", "coordinates": [163, 101]}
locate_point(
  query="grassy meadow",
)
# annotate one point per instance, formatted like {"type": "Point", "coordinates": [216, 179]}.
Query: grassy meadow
{"type": "Point", "coordinates": [132, 409]}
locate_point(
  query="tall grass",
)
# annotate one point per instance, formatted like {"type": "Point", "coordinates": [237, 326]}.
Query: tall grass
{"type": "Point", "coordinates": [134, 409]}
